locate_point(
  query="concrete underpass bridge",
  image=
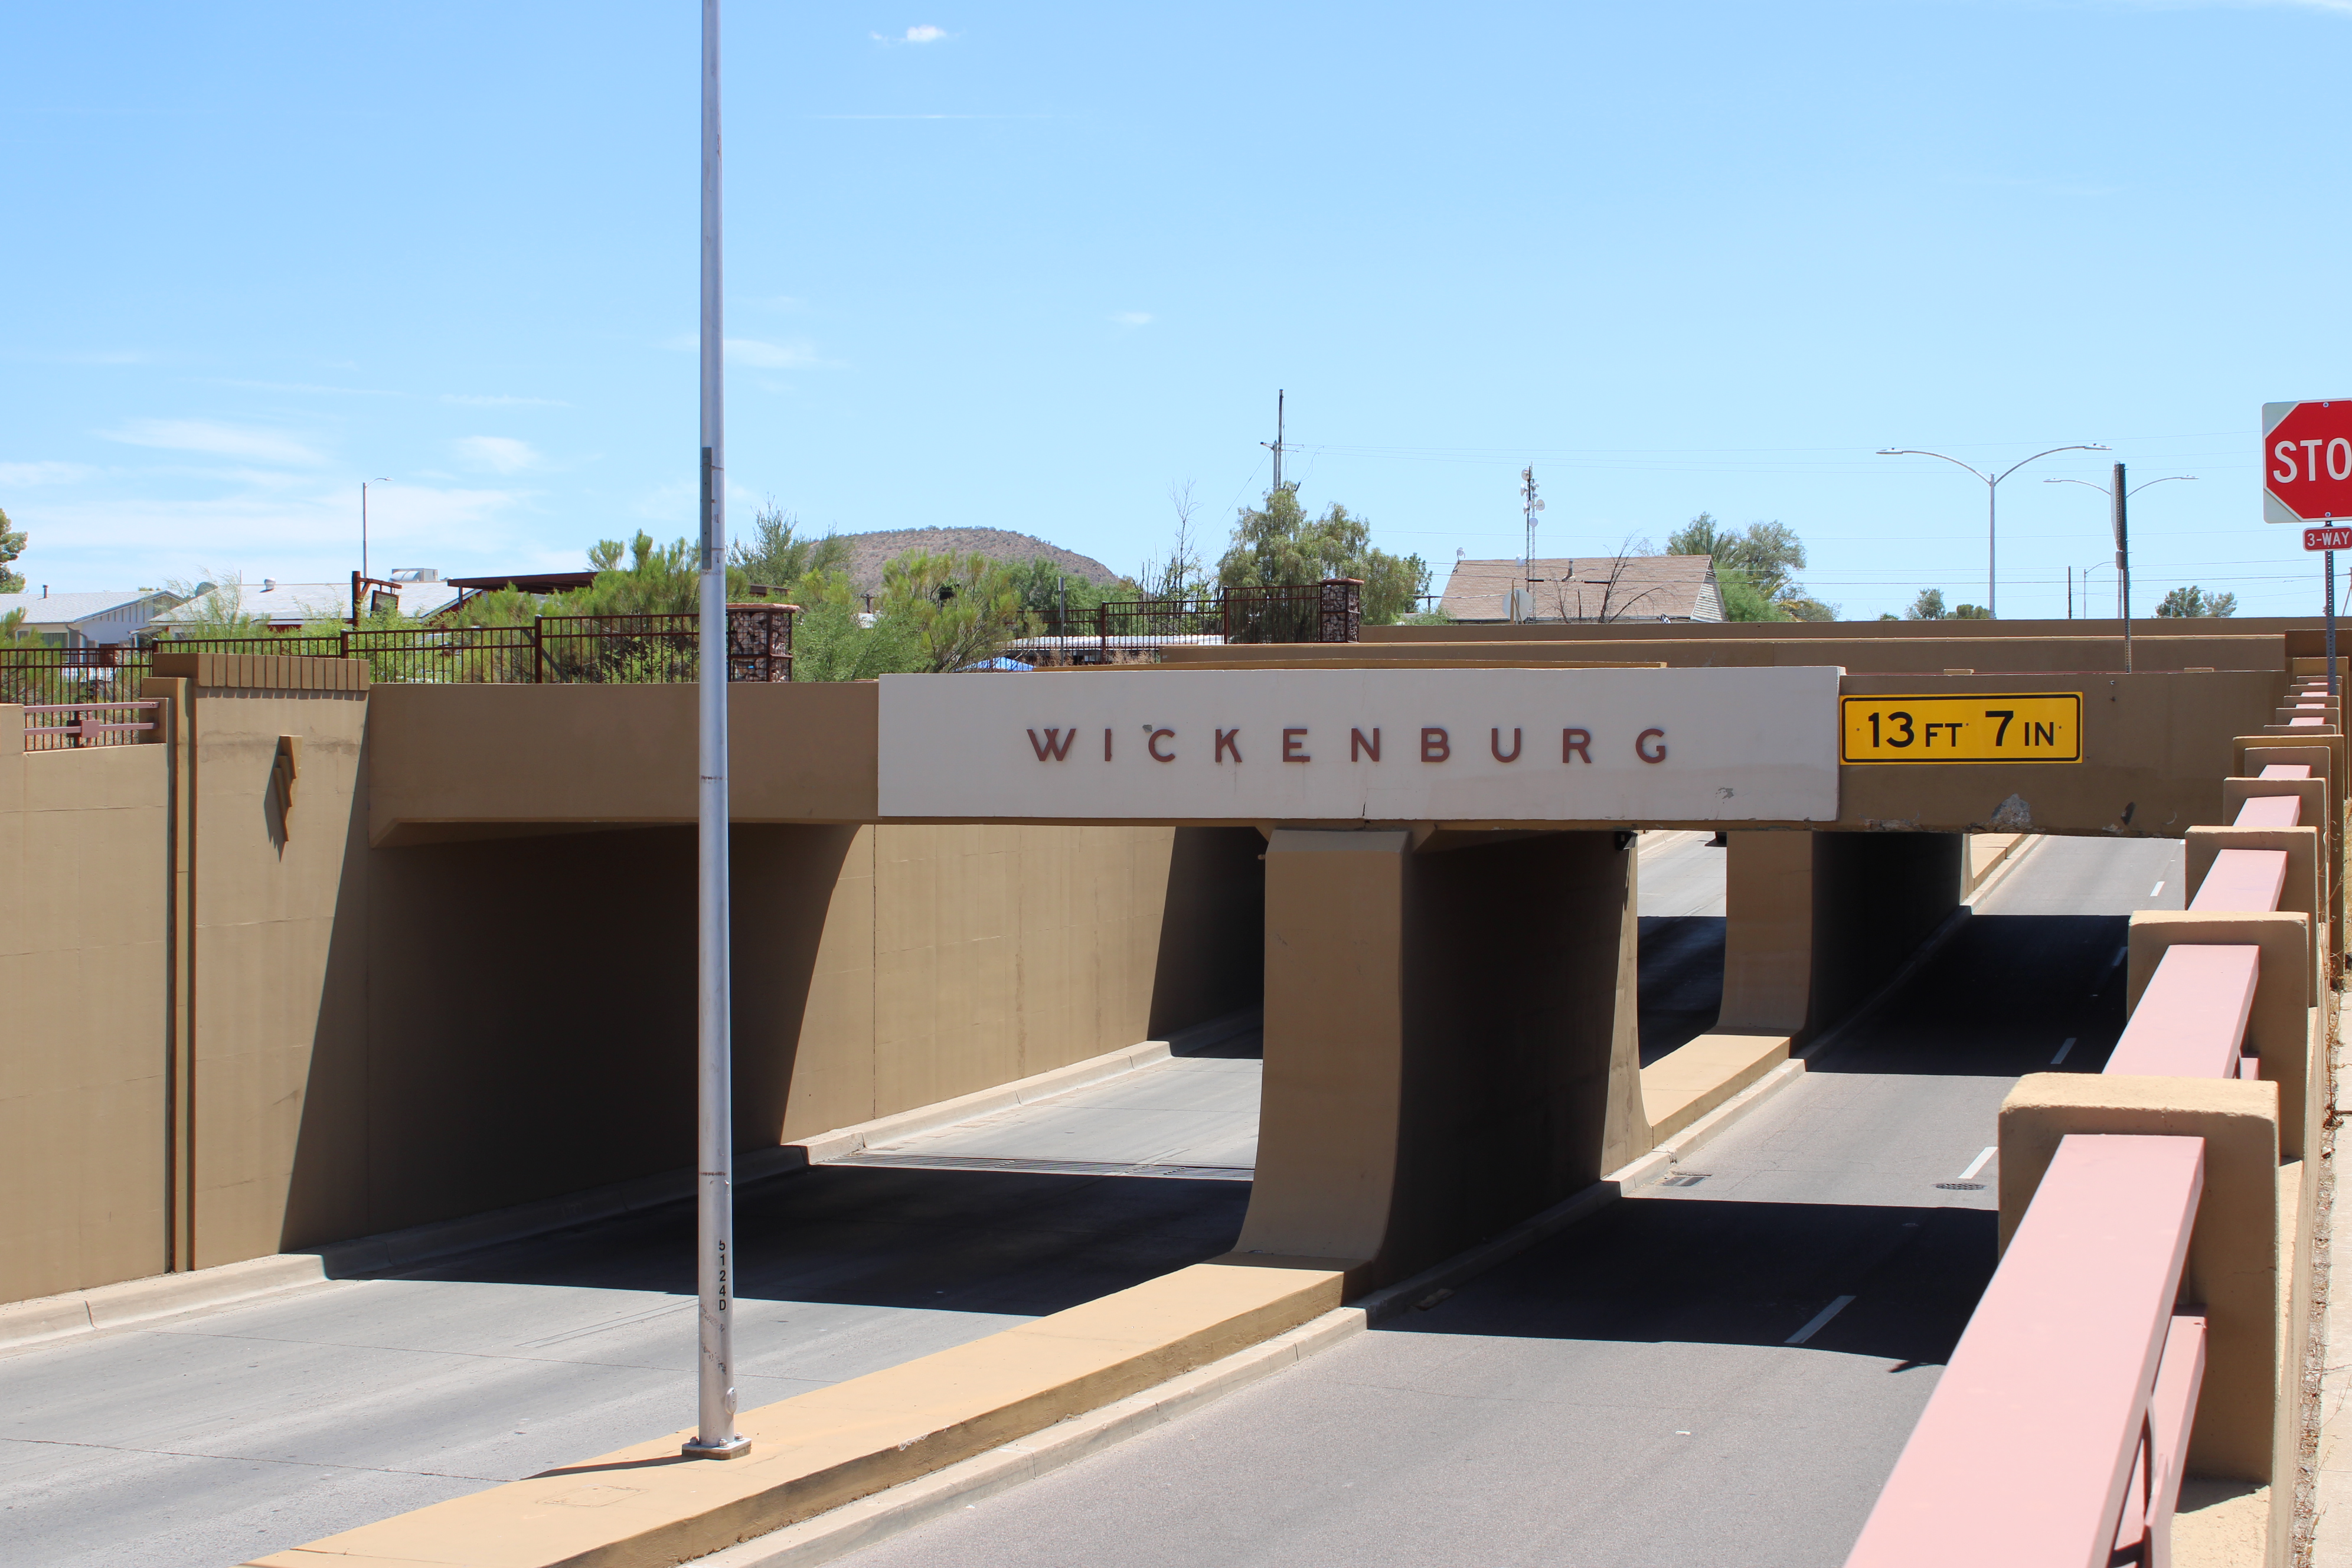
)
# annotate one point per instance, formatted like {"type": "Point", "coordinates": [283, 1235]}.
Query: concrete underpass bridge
{"type": "Point", "coordinates": [1427, 862]}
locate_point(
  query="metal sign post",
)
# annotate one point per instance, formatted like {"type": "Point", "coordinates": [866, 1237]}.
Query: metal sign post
{"type": "Point", "coordinates": [2327, 541]}
{"type": "Point", "coordinates": [715, 1437]}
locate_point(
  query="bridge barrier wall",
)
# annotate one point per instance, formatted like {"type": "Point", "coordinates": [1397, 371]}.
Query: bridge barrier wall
{"type": "Point", "coordinates": [2248, 967]}
{"type": "Point", "coordinates": [85, 878]}
{"type": "Point", "coordinates": [364, 1038]}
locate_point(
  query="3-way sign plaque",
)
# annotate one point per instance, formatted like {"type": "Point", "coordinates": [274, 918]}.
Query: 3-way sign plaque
{"type": "Point", "coordinates": [2308, 479]}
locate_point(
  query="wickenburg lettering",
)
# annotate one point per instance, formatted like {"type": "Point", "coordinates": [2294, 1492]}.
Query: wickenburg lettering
{"type": "Point", "coordinates": [1397, 744]}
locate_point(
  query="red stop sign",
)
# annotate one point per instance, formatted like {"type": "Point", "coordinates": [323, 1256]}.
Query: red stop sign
{"type": "Point", "coordinates": [2307, 461]}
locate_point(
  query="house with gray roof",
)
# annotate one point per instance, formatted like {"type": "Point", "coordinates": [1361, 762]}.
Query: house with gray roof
{"type": "Point", "coordinates": [101, 619]}
{"type": "Point", "coordinates": [1585, 588]}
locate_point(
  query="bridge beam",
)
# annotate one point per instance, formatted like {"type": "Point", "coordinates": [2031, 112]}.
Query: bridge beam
{"type": "Point", "coordinates": [1450, 1040]}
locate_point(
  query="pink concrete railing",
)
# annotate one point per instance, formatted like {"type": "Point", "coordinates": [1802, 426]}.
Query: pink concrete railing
{"type": "Point", "coordinates": [2057, 1433]}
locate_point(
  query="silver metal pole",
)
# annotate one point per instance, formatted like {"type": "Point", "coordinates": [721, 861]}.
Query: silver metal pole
{"type": "Point", "coordinates": [1993, 552]}
{"type": "Point", "coordinates": [714, 1211]}
{"type": "Point", "coordinates": [2331, 621]}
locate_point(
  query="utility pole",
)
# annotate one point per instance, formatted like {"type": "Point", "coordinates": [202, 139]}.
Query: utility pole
{"type": "Point", "coordinates": [1275, 445]}
{"type": "Point", "coordinates": [2122, 564]}
{"type": "Point", "coordinates": [715, 1437]}
{"type": "Point", "coordinates": [1531, 503]}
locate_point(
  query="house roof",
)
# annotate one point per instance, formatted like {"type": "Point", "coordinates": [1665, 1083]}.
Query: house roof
{"type": "Point", "coordinates": [291, 604]}
{"type": "Point", "coordinates": [65, 609]}
{"type": "Point", "coordinates": [529, 582]}
{"type": "Point", "coordinates": [1588, 588]}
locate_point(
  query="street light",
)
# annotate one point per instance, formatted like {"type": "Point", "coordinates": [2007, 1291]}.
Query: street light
{"type": "Point", "coordinates": [2121, 572]}
{"type": "Point", "coordinates": [379, 480]}
{"type": "Point", "coordinates": [1992, 502]}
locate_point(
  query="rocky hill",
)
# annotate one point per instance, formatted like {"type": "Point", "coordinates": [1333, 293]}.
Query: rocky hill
{"type": "Point", "coordinates": [867, 551]}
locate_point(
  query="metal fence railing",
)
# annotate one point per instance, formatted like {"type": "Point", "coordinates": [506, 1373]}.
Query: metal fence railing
{"type": "Point", "coordinates": [1326, 612]}
{"type": "Point", "coordinates": [596, 650]}
{"type": "Point", "coordinates": [52, 676]}
{"type": "Point", "coordinates": [61, 726]}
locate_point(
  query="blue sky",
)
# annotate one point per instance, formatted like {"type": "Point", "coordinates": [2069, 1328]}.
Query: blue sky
{"type": "Point", "coordinates": [1028, 267]}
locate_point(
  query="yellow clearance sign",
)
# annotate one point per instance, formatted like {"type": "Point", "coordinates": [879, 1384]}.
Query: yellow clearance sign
{"type": "Point", "coordinates": [2040, 728]}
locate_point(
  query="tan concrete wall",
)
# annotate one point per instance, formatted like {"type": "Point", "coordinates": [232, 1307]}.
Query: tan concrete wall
{"type": "Point", "coordinates": [2299, 634]}
{"type": "Point", "coordinates": [84, 1040]}
{"type": "Point", "coordinates": [1420, 1094]}
{"type": "Point", "coordinates": [469, 762]}
{"type": "Point", "coordinates": [385, 1037]}
{"type": "Point", "coordinates": [530, 1008]}
{"type": "Point", "coordinates": [279, 924]}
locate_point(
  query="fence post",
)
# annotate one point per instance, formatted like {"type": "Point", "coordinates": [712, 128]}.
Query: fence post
{"type": "Point", "coordinates": [538, 655]}
{"type": "Point", "coordinates": [1102, 628]}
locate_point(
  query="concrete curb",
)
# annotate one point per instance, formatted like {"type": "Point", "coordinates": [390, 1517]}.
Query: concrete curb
{"type": "Point", "coordinates": [870, 1519]}
{"type": "Point", "coordinates": [47, 1318]}
{"type": "Point", "coordinates": [845, 1140]}
{"type": "Point", "coordinates": [2017, 855]}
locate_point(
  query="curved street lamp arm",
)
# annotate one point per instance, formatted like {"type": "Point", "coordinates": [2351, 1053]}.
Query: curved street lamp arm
{"type": "Point", "coordinates": [2166, 479]}
{"type": "Point", "coordinates": [2078, 447]}
{"type": "Point", "coordinates": [1914, 452]}
{"type": "Point", "coordinates": [2089, 486]}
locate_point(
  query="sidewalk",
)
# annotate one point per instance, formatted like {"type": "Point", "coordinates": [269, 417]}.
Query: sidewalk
{"type": "Point", "coordinates": [2331, 1533]}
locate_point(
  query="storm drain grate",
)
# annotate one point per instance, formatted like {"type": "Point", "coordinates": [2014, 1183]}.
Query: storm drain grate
{"type": "Point", "coordinates": [1961, 1187]}
{"type": "Point", "coordinates": [1050, 1167]}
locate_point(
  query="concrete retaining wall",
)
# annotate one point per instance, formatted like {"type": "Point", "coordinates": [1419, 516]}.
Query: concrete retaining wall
{"type": "Point", "coordinates": [356, 1038]}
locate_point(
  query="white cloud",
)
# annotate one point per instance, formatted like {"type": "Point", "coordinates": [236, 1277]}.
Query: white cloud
{"type": "Point", "coordinates": [311, 536]}
{"type": "Point", "coordinates": [220, 440]}
{"type": "Point", "coordinates": [306, 386]}
{"type": "Point", "coordinates": [500, 400]}
{"type": "Point", "coordinates": [30, 474]}
{"type": "Point", "coordinates": [1132, 318]}
{"type": "Point", "coordinates": [921, 33]}
{"type": "Point", "coordinates": [795, 355]}
{"type": "Point", "coordinates": [499, 454]}
{"type": "Point", "coordinates": [78, 356]}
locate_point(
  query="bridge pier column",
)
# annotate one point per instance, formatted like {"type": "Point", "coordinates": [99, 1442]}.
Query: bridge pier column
{"type": "Point", "coordinates": [1813, 923]}
{"type": "Point", "coordinates": [1817, 921]}
{"type": "Point", "coordinates": [1450, 1040]}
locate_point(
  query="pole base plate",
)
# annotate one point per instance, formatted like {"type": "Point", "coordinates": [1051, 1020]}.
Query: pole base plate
{"type": "Point", "coordinates": [733, 1448]}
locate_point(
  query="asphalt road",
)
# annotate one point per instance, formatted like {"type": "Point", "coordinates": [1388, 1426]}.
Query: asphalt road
{"type": "Point", "coordinates": [221, 1434]}
{"type": "Point", "coordinates": [1629, 1394]}
{"type": "Point", "coordinates": [1680, 886]}
{"type": "Point", "coordinates": [218, 1435]}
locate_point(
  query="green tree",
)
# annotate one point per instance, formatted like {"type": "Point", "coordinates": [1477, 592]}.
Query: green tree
{"type": "Point", "coordinates": [213, 609]}
{"type": "Point", "coordinates": [1768, 554]}
{"type": "Point", "coordinates": [1742, 602]}
{"type": "Point", "coordinates": [653, 580]}
{"type": "Point", "coordinates": [1970, 613]}
{"type": "Point", "coordinates": [2193, 601]}
{"type": "Point", "coordinates": [778, 556]}
{"type": "Point", "coordinates": [1052, 596]}
{"type": "Point", "coordinates": [12, 545]}
{"type": "Point", "coordinates": [1278, 545]}
{"type": "Point", "coordinates": [959, 610]}
{"type": "Point", "coordinates": [1927, 606]}
{"type": "Point", "coordinates": [831, 641]}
